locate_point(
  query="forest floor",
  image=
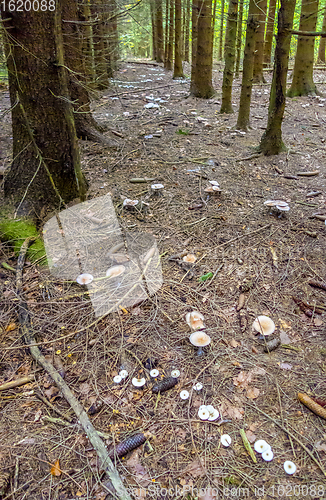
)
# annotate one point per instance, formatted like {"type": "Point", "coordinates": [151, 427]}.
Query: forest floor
{"type": "Point", "coordinates": [182, 142]}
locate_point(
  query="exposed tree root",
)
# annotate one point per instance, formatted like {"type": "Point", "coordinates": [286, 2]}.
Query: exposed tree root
{"type": "Point", "coordinates": [27, 330]}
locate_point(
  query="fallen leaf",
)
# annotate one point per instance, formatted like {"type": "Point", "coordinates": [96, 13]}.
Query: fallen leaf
{"type": "Point", "coordinates": [318, 321]}
{"type": "Point", "coordinates": [195, 469]}
{"type": "Point", "coordinates": [11, 327]}
{"type": "Point", "coordinates": [258, 371]}
{"type": "Point", "coordinates": [84, 388]}
{"type": "Point", "coordinates": [285, 366]}
{"type": "Point", "coordinates": [251, 436]}
{"type": "Point", "coordinates": [285, 339]}
{"type": "Point", "coordinates": [27, 440]}
{"type": "Point", "coordinates": [234, 343]}
{"type": "Point", "coordinates": [252, 392]}
{"type": "Point", "coordinates": [233, 412]}
{"type": "Point", "coordinates": [37, 415]}
{"type": "Point", "coordinates": [320, 446]}
{"type": "Point", "coordinates": [242, 380]}
{"type": "Point", "coordinates": [137, 469]}
{"type": "Point", "coordinates": [55, 469]}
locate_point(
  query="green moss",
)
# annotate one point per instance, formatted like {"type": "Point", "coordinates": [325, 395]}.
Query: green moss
{"type": "Point", "coordinates": [16, 232]}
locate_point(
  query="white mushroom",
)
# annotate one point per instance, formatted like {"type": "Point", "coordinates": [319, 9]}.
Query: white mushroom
{"type": "Point", "coordinates": [213, 414]}
{"type": "Point", "coordinates": [212, 189]}
{"type": "Point", "coordinates": [264, 325]}
{"type": "Point", "coordinates": [128, 203]}
{"type": "Point", "coordinates": [123, 373]}
{"type": "Point", "coordinates": [138, 382]}
{"type": "Point", "coordinates": [197, 387]}
{"type": "Point", "coordinates": [114, 271]}
{"type": "Point", "coordinates": [200, 339]}
{"type": "Point", "coordinates": [84, 279]}
{"type": "Point", "coordinates": [214, 183]}
{"type": "Point", "coordinates": [157, 188]}
{"type": "Point", "coordinates": [154, 373]}
{"type": "Point", "coordinates": [289, 467]}
{"type": "Point", "coordinates": [268, 455]}
{"type": "Point", "coordinates": [195, 320]}
{"type": "Point", "coordinates": [184, 394]}
{"type": "Point", "coordinates": [189, 258]}
{"type": "Point", "coordinates": [281, 205]}
{"type": "Point", "coordinates": [117, 379]}
{"type": "Point", "coordinates": [175, 373]}
{"type": "Point", "coordinates": [261, 446]}
{"type": "Point", "coordinates": [226, 440]}
{"type": "Point", "coordinates": [203, 413]}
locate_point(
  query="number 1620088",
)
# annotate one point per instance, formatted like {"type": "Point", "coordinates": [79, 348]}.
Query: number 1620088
{"type": "Point", "coordinates": [299, 490]}
{"type": "Point", "coordinates": [28, 5]}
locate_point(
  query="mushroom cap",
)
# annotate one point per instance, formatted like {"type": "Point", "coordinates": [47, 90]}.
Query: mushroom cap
{"type": "Point", "coordinates": [175, 373]}
{"type": "Point", "coordinates": [114, 271]}
{"type": "Point", "coordinates": [84, 279]}
{"type": "Point", "coordinates": [117, 379]}
{"type": "Point", "coordinates": [154, 373]}
{"type": "Point", "coordinates": [123, 373]}
{"type": "Point", "coordinates": [213, 415]}
{"type": "Point", "coordinates": [157, 187]}
{"type": "Point", "coordinates": [226, 440]}
{"type": "Point", "coordinates": [264, 325]}
{"type": "Point", "coordinates": [261, 446]}
{"type": "Point", "coordinates": [212, 189]}
{"type": "Point", "coordinates": [198, 386]}
{"type": "Point", "coordinates": [268, 455]}
{"type": "Point", "coordinates": [214, 183]}
{"type": "Point", "coordinates": [127, 202]}
{"type": "Point", "coordinates": [190, 257]}
{"type": "Point", "coordinates": [195, 320]}
{"type": "Point", "coordinates": [289, 467]}
{"type": "Point", "coordinates": [274, 203]}
{"type": "Point", "coordinates": [199, 339]}
{"type": "Point", "coordinates": [283, 208]}
{"type": "Point", "coordinates": [203, 413]}
{"type": "Point", "coordinates": [184, 394]}
{"type": "Point", "coordinates": [138, 382]}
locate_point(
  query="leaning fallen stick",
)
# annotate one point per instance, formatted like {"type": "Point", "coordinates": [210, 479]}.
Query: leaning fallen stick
{"type": "Point", "coordinates": [28, 334]}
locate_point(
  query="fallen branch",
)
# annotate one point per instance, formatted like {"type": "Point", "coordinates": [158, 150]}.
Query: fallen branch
{"type": "Point", "coordinates": [17, 383]}
{"type": "Point", "coordinates": [28, 333]}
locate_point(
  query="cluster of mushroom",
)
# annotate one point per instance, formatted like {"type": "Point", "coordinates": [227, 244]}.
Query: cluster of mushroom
{"type": "Point", "coordinates": [281, 206]}
{"type": "Point", "coordinates": [112, 272]}
{"type": "Point", "coordinates": [213, 187]}
{"type": "Point", "coordinates": [265, 450]}
{"type": "Point", "coordinates": [208, 412]}
{"type": "Point", "coordinates": [199, 337]}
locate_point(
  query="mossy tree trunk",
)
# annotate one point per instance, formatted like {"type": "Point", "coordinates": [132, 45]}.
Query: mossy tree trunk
{"type": "Point", "coordinates": [87, 43]}
{"type": "Point", "coordinates": [303, 81]}
{"type": "Point", "coordinates": [178, 70]}
{"type": "Point", "coordinates": [260, 12]}
{"type": "Point", "coordinates": [101, 78]}
{"type": "Point", "coordinates": [169, 59]}
{"type": "Point", "coordinates": [269, 32]}
{"type": "Point", "coordinates": [112, 36]}
{"type": "Point", "coordinates": [213, 27]}
{"type": "Point", "coordinates": [239, 39]}
{"type": "Point", "coordinates": [247, 72]}
{"type": "Point", "coordinates": [220, 48]}
{"type": "Point", "coordinates": [271, 142]}
{"type": "Point", "coordinates": [159, 30]}
{"type": "Point", "coordinates": [229, 57]}
{"type": "Point", "coordinates": [187, 31]}
{"type": "Point", "coordinates": [46, 166]}
{"type": "Point", "coordinates": [322, 43]}
{"type": "Point", "coordinates": [201, 78]}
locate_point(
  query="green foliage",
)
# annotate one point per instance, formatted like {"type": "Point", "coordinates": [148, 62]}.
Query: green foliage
{"type": "Point", "coordinates": [206, 276]}
{"type": "Point", "coordinates": [16, 232]}
{"type": "Point", "coordinates": [182, 132]}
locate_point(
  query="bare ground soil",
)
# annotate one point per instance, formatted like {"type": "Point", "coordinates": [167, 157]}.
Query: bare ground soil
{"type": "Point", "coordinates": [249, 250]}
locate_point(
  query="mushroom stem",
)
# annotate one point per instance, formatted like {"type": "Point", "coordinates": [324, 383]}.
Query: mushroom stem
{"type": "Point", "coordinates": [200, 351]}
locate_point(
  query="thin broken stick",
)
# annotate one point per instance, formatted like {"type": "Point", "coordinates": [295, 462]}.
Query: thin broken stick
{"type": "Point", "coordinates": [28, 333]}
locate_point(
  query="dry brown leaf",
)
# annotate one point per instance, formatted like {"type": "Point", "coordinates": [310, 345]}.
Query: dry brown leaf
{"type": "Point", "coordinates": [318, 321]}
{"type": "Point", "coordinates": [138, 471]}
{"type": "Point", "coordinates": [285, 366]}
{"type": "Point", "coordinates": [55, 469]}
{"type": "Point", "coordinates": [195, 469]}
{"type": "Point", "coordinates": [251, 436]}
{"type": "Point", "coordinates": [234, 343]}
{"type": "Point", "coordinates": [258, 371]}
{"type": "Point", "coordinates": [84, 388]}
{"type": "Point", "coordinates": [233, 412]}
{"type": "Point", "coordinates": [320, 446]}
{"type": "Point", "coordinates": [252, 392]}
{"type": "Point", "coordinates": [285, 339]}
{"type": "Point", "coordinates": [242, 380]}
{"type": "Point", "coordinates": [11, 327]}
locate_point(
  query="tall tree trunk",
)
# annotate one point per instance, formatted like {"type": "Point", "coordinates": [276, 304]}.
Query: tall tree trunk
{"type": "Point", "coordinates": [112, 36]}
{"type": "Point", "coordinates": [229, 57]}
{"type": "Point", "coordinates": [258, 76]}
{"type": "Point", "coordinates": [178, 71]}
{"type": "Point", "coordinates": [194, 37]}
{"type": "Point", "coordinates": [271, 142]}
{"type": "Point", "coordinates": [247, 72]}
{"type": "Point", "coordinates": [213, 27]}
{"type": "Point", "coordinates": [303, 81]}
{"type": "Point", "coordinates": [87, 43]}
{"type": "Point", "coordinates": [154, 29]}
{"type": "Point", "coordinates": [102, 79]}
{"type": "Point", "coordinates": [45, 169]}
{"type": "Point", "coordinates": [166, 45]}
{"type": "Point", "coordinates": [201, 80]}
{"type": "Point", "coordinates": [322, 43]}
{"type": "Point", "coordinates": [220, 48]}
{"type": "Point", "coordinates": [269, 32]}
{"type": "Point", "coordinates": [168, 64]}
{"type": "Point", "coordinates": [159, 29]}
{"type": "Point", "coordinates": [187, 32]}
{"type": "Point", "coordinates": [239, 39]}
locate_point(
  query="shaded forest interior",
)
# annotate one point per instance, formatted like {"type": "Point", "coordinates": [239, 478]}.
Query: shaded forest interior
{"type": "Point", "coordinates": [162, 224]}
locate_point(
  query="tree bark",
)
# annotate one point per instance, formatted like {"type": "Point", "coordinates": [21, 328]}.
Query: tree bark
{"type": "Point", "coordinates": [220, 48]}
{"type": "Point", "coordinates": [239, 39]}
{"type": "Point", "coordinates": [201, 79]}
{"type": "Point", "coordinates": [322, 43]}
{"type": "Point", "coordinates": [261, 8]}
{"type": "Point", "coordinates": [271, 142]}
{"type": "Point", "coordinates": [101, 80]}
{"type": "Point", "coordinates": [46, 167]}
{"type": "Point", "coordinates": [166, 38]}
{"type": "Point", "coordinates": [247, 73]}
{"type": "Point", "coordinates": [187, 32]}
{"type": "Point", "coordinates": [159, 30]}
{"type": "Point", "coordinates": [154, 29]}
{"type": "Point", "coordinates": [168, 62]}
{"type": "Point", "coordinates": [112, 36]}
{"type": "Point", "coordinates": [303, 81]}
{"type": "Point", "coordinates": [269, 32]}
{"type": "Point", "coordinates": [194, 37]}
{"type": "Point", "coordinates": [229, 57]}
{"type": "Point", "coordinates": [178, 70]}
{"type": "Point", "coordinates": [213, 27]}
